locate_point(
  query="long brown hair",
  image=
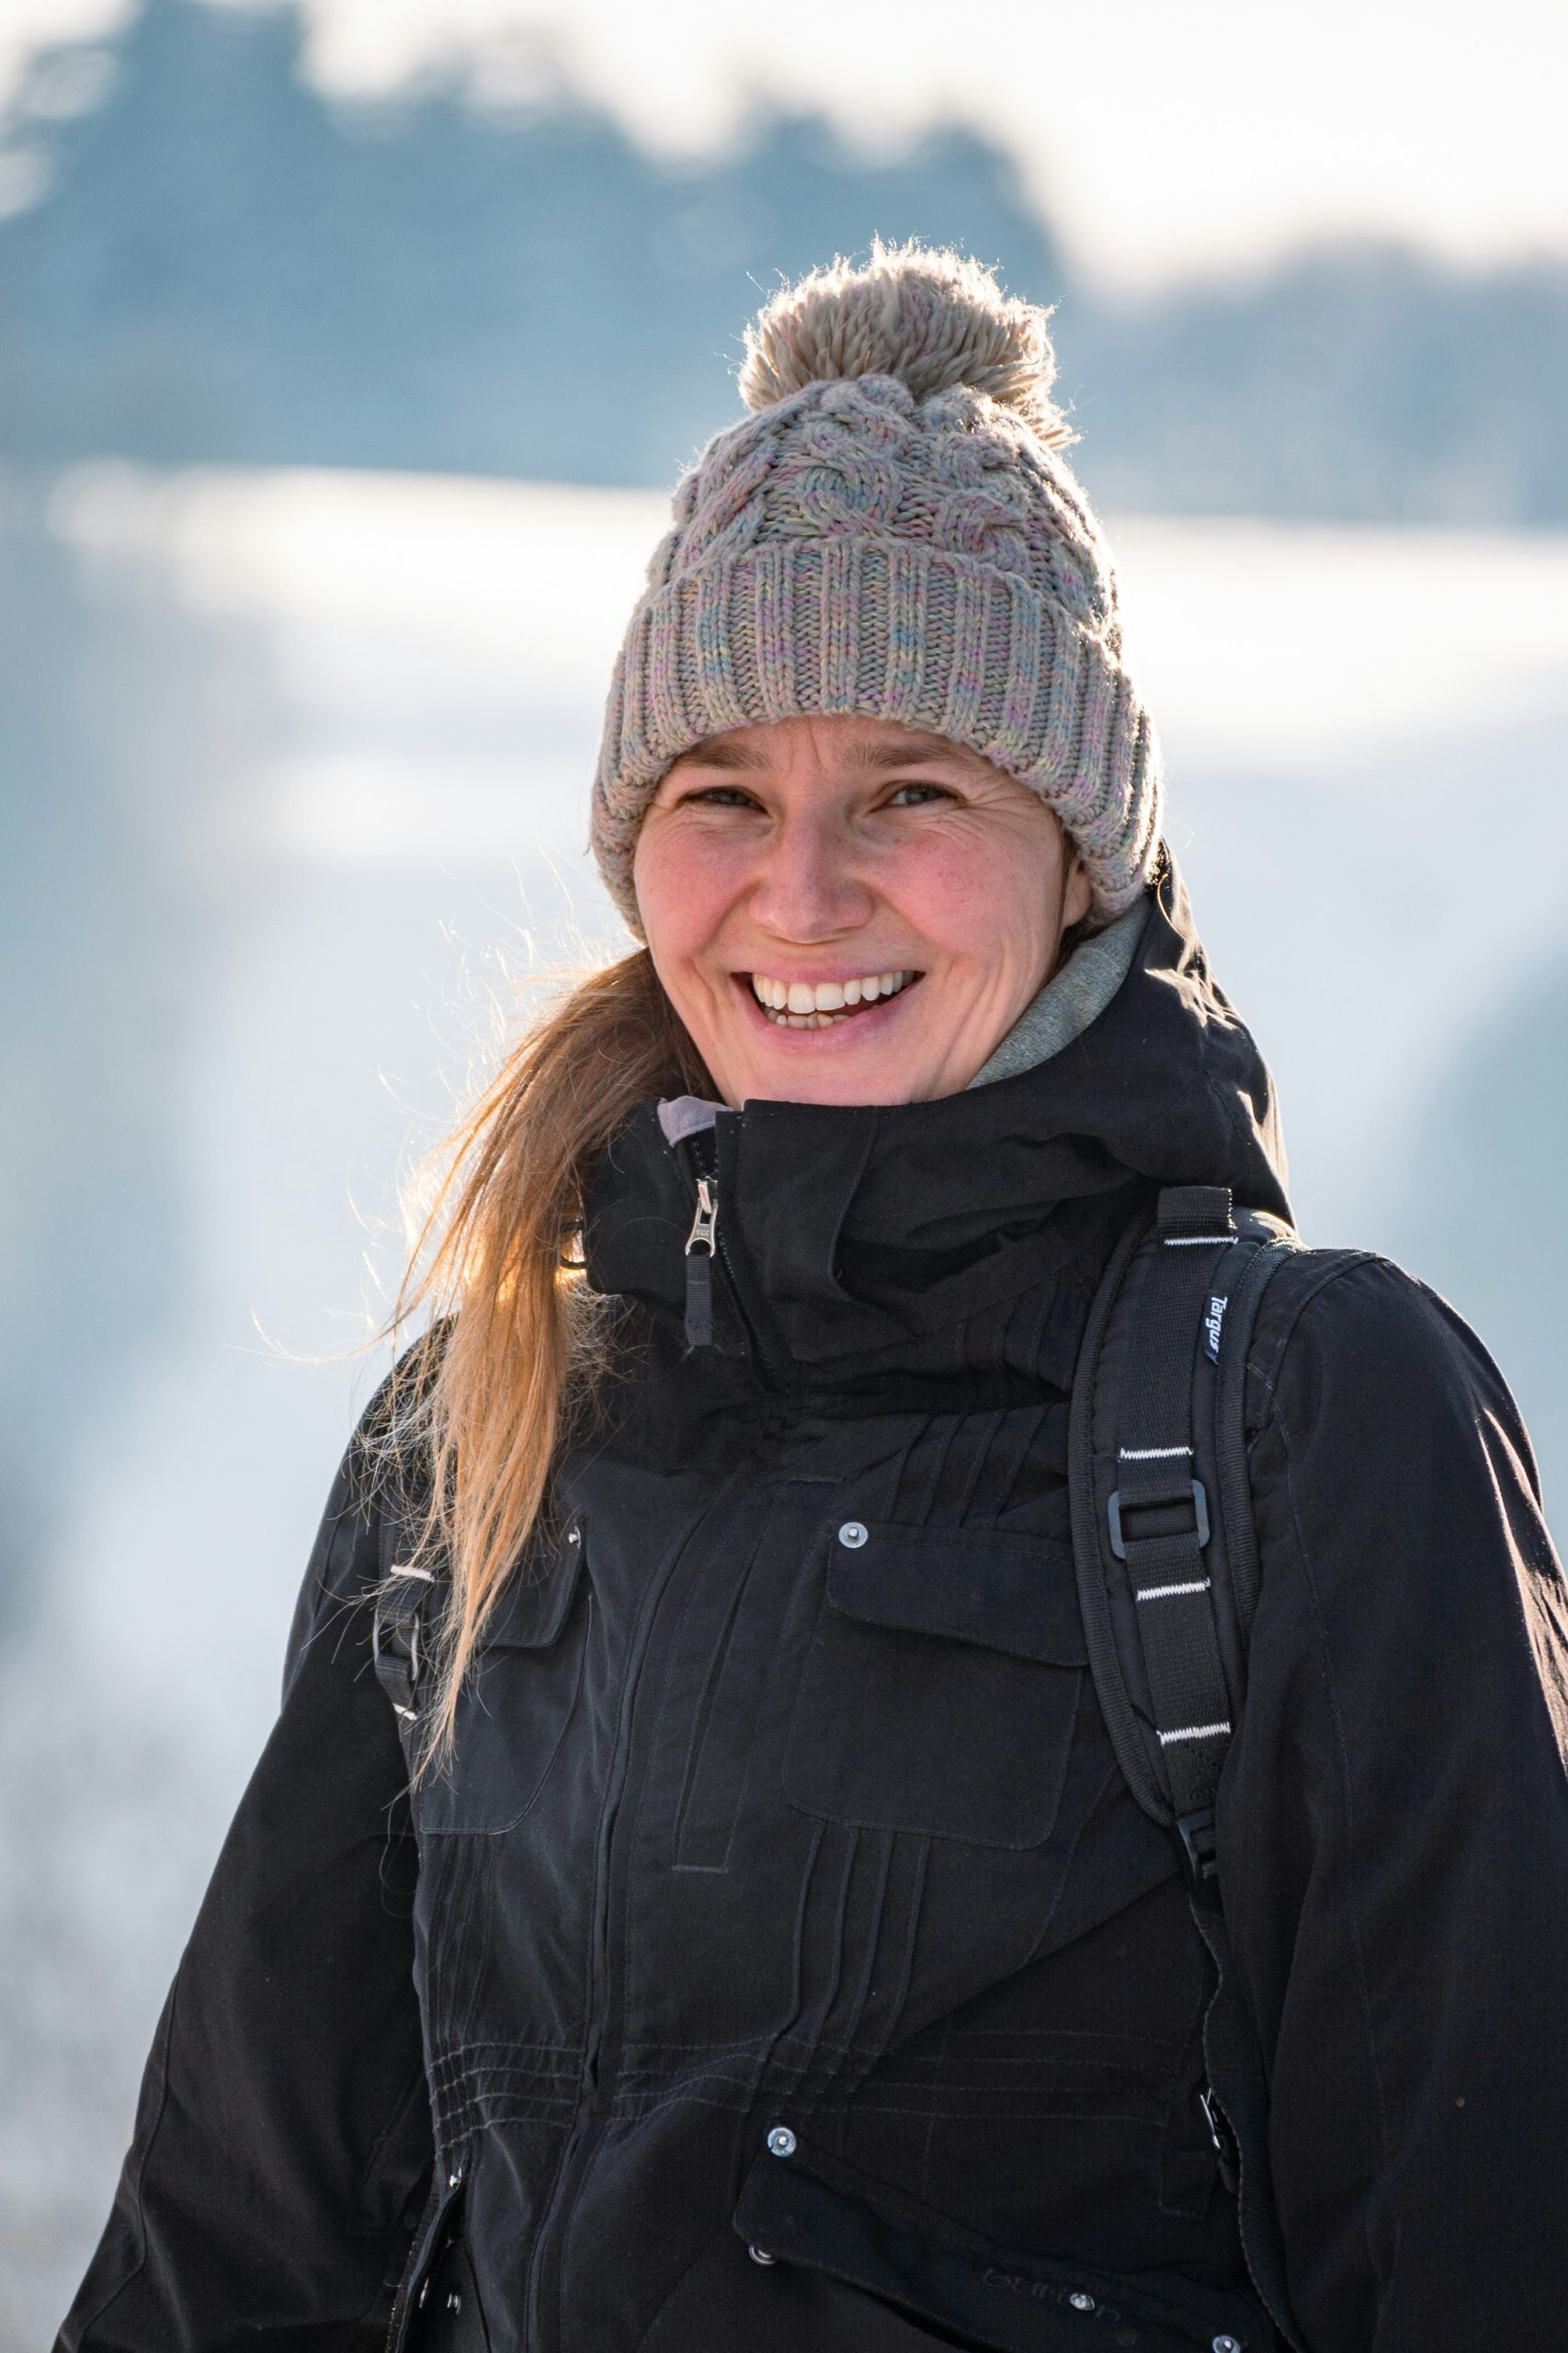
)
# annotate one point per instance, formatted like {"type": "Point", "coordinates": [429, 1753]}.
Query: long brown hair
{"type": "Point", "coordinates": [519, 1339]}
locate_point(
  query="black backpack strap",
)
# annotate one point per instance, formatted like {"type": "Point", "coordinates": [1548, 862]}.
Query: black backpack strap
{"type": "Point", "coordinates": [1166, 1558]}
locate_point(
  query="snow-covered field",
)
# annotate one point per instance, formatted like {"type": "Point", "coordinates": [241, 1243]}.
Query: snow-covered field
{"type": "Point", "coordinates": [1366, 734]}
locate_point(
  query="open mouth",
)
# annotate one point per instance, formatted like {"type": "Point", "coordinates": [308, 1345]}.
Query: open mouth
{"type": "Point", "coordinates": [825, 1004]}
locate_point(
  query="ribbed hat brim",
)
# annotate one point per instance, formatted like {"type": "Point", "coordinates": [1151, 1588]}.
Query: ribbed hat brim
{"type": "Point", "coordinates": [886, 628]}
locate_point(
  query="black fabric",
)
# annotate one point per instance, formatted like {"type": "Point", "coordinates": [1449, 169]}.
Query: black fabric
{"type": "Point", "coordinates": [1238, 2105]}
{"type": "Point", "coordinates": [910, 1656]}
{"type": "Point", "coordinates": [720, 1853]}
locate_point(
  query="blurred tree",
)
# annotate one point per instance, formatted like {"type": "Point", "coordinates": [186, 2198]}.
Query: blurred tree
{"type": "Point", "coordinates": [205, 260]}
{"type": "Point", "coordinates": [223, 267]}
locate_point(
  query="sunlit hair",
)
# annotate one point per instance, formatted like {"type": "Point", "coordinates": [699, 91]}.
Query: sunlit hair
{"type": "Point", "coordinates": [519, 1341]}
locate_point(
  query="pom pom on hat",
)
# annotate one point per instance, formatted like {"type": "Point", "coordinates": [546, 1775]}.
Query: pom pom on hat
{"type": "Point", "coordinates": [932, 319]}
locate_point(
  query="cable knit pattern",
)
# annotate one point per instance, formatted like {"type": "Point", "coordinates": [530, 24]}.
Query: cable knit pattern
{"type": "Point", "coordinates": [858, 547]}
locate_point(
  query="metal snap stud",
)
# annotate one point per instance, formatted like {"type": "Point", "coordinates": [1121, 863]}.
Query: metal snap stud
{"type": "Point", "coordinates": [782, 2141]}
{"type": "Point", "coordinates": [454, 2178]}
{"type": "Point", "coordinates": [1227, 2344]}
{"type": "Point", "coordinates": [757, 2256]}
{"type": "Point", "coordinates": [573, 1536]}
{"type": "Point", "coordinates": [852, 1534]}
{"type": "Point", "coordinates": [1080, 2302]}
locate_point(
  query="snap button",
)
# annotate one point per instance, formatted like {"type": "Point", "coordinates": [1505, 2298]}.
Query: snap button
{"type": "Point", "coordinates": [1080, 2302]}
{"type": "Point", "coordinates": [1227, 2344]}
{"type": "Point", "coordinates": [852, 1535]}
{"type": "Point", "coordinates": [454, 2178]}
{"type": "Point", "coordinates": [757, 2256]}
{"type": "Point", "coordinates": [573, 1536]}
{"type": "Point", "coordinates": [782, 2141]}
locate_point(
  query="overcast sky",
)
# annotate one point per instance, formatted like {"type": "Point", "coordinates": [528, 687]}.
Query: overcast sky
{"type": "Point", "coordinates": [1167, 136]}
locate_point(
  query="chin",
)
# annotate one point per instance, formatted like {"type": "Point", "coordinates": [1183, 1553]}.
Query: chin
{"type": "Point", "coordinates": [791, 1079]}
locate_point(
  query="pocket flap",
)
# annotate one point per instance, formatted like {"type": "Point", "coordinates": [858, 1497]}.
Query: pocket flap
{"type": "Point", "coordinates": [812, 2209]}
{"type": "Point", "coordinates": [991, 1587]}
{"type": "Point", "coordinates": [536, 1596]}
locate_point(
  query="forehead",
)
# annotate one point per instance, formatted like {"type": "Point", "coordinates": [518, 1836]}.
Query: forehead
{"type": "Point", "coordinates": [852, 744]}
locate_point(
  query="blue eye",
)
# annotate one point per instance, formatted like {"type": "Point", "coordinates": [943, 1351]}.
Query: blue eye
{"type": "Point", "coordinates": [928, 793]}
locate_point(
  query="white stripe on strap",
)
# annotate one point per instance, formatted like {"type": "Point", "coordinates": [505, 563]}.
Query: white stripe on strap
{"type": "Point", "coordinates": [1198, 1241]}
{"type": "Point", "coordinates": [1193, 1731]}
{"type": "Point", "coordinates": [1160, 1592]}
{"type": "Point", "coordinates": [426, 1576]}
{"type": "Point", "coordinates": [1150, 1454]}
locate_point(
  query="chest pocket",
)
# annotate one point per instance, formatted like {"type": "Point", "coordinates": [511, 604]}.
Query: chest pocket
{"type": "Point", "coordinates": [941, 1684]}
{"type": "Point", "coordinates": [517, 1699]}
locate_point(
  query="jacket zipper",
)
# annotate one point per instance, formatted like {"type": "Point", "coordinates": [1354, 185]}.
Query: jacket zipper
{"type": "Point", "coordinates": [701, 1246]}
{"type": "Point", "coordinates": [704, 1244]}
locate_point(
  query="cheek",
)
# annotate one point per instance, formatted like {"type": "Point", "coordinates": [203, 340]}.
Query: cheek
{"type": "Point", "coordinates": [685, 887]}
{"type": "Point", "coordinates": [985, 900]}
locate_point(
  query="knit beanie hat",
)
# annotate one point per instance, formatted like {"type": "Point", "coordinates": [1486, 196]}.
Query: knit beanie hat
{"type": "Point", "coordinates": [893, 532]}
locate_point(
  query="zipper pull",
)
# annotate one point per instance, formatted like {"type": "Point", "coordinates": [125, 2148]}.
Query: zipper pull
{"type": "Point", "coordinates": [701, 1244]}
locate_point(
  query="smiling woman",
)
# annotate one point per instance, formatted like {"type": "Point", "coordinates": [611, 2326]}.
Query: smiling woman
{"type": "Point", "coordinates": [844, 911]}
{"type": "Point", "coordinates": [835, 1794]}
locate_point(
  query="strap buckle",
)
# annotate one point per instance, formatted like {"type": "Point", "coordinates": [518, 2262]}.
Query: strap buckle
{"type": "Point", "coordinates": [1200, 1845]}
{"type": "Point", "coordinates": [1119, 1541]}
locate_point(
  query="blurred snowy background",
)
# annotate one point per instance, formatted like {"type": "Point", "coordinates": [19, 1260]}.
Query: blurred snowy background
{"type": "Point", "coordinates": [344, 353]}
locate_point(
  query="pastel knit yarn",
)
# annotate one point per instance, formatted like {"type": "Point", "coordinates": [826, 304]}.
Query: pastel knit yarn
{"type": "Point", "coordinates": [893, 532]}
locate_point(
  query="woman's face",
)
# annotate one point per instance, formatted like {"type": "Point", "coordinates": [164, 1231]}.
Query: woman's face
{"type": "Point", "coordinates": [843, 911]}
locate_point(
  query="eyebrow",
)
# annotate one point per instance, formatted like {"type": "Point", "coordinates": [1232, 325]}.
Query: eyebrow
{"type": "Point", "coordinates": [737, 753]}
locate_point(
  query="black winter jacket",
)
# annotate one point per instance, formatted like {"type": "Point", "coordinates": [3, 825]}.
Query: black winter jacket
{"type": "Point", "coordinates": [751, 1829]}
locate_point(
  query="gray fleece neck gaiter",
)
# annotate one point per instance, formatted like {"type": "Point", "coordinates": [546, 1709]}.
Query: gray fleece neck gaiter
{"type": "Point", "coordinates": [1069, 1000]}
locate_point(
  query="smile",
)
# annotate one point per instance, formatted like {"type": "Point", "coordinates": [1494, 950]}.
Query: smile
{"type": "Point", "coordinates": [824, 1005]}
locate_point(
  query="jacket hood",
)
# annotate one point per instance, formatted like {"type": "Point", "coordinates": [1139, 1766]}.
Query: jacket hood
{"type": "Point", "coordinates": [849, 1233]}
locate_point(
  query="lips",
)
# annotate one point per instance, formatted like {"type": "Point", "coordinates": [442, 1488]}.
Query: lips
{"type": "Point", "coordinates": [824, 1005]}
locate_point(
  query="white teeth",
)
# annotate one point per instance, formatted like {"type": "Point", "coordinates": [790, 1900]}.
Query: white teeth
{"type": "Point", "coordinates": [814, 1005]}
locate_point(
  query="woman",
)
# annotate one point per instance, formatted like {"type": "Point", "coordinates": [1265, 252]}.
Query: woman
{"type": "Point", "coordinates": [763, 1814]}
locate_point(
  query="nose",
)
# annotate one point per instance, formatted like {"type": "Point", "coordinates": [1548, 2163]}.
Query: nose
{"type": "Point", "coordinates": [809, 887]}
